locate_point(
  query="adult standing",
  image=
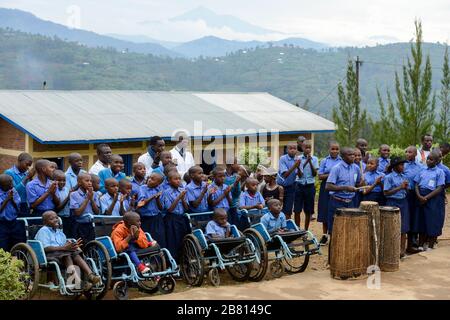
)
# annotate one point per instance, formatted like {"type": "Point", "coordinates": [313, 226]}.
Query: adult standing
{"type": "Point", "coordinates": [104, 154]}
{"type": "Point", "coordinates": [300, 141]}
{"type": "Point", "coordinates": [151, 159]}
{"type": "Point", "coordinates": [425, 149]}
{"type": "Point", "coordinates": [182, 157]}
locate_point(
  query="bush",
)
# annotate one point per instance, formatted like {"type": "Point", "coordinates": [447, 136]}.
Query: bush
{"type": "Point", "coordinates": [395, 151]}
{"type": "Point", "coordinates": [11, 288]}
{"type": "Point", "coordinates": [252, 157]}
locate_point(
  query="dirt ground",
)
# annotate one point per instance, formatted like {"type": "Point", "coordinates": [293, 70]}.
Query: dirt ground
{"type": "Point", "coordinates": [421, 276]}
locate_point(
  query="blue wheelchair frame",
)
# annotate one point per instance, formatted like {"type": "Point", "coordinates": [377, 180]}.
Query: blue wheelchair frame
{"type": "Point", "coordinates": [38, 248]}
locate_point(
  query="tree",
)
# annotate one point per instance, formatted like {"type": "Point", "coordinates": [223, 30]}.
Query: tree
{"type": "Point", "coordinates": [442, 132]}
{"type": "Point", "coordinates": [415, 103]}
{"type": "Point", "coordinates": [348, 117]}
{"type": "Point", "coordinates": [384, 130]}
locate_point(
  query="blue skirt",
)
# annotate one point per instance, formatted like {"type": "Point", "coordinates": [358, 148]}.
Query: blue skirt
{"type": "Point", "coordinates": [431, 215]}
{"type": "Point", "coordinates": [155, 226]}
{"type": "Point", "coordinates": [333, 205]}
{"type": "Point", "coordinates": [414, 221]}
{"type": "Point", "coordinates": [402, 204]}
{"type": "Point", "coordinates": [176, 226]}
{"type": "Point", "coordinates": [324, 198]}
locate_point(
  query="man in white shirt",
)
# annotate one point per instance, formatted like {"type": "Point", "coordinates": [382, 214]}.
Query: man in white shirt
{"type": "Point", "coordinates": [104, 154]}
{"type": "Point", "coordinates": [181, 157]}
{"type": "Point", "coordinates": [424, 151]}
{"type": "Point", "coordinates": [151, 159]}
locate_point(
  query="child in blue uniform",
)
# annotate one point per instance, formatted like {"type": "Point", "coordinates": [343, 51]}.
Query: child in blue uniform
{"type": "Point", "coordinates": [429, 185]}
{"type": "Point", "coordinates": [115, 171]}
{"type": "Point", "coordinates": [63, 193]}
{"type": "Point", "coordinates": [287, 173]}
{"type": "Point", "coordinates": [109, 202]}
{"type": "Point", "coordinates": [305, 189]}
{"type": "Point", "coordinates": [324, 170]}
{"type": "Point", "coordinates": [21, 175]}
{"type": "Point", "coordinates": [175, 205]}
{"type": "Point", "coordinates": [274, 221]}
{"type": "Point", "coordinates": [138, 179]}
{"type": "Point", "coordinates": [150, 208]}
{"type": "Point", "coordinates": [251, 198]}
{"type": "Point", "coordinates": [342, 183]}
{"type": "Point", "coordinates": [412, 169]}
{"type": "Point", "coordinates": [395, 189]}
{"type": "Point", "coordinates": [11, 230]}
{"type": "Point", "coordinates": [41, 191]}
{"type": "Point", "coordinates": [219, 227]}
{"type": "Point", "coordinates": [374, 181]}
{"type": "Point", "coordinates": [76, 165]}
{"type": "Point", "coordinates": [232, 171]}
{"type": "Point", "coordinates": [84, 204]}
{"type": "Point", "coordinates": [383, 160]}
{"type": "Point", "coordinates": [197, 190]}
{"type": "Point", "coordinates": [362, 168]}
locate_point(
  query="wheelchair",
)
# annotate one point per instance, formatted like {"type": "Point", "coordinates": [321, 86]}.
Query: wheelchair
{"type": "Point", "coordinates": [36, 267]}
{"type": "Point", "coordinates": [124, 274]}
{"type": "Point", "coordinates": [201, 255]}
{"type": "Point", "coordinates": [288, 251]}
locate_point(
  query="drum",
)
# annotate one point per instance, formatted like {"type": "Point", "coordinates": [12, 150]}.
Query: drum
{"type": "Point", "coordinates": [390, 238]}
{"type": "Point", "coordinates": [373, 210]}
{"type": "Point", "coordinates": [350, 244]}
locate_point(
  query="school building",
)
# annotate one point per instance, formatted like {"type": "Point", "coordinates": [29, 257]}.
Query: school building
{"type": "Point", "coordinates": [51, 124]}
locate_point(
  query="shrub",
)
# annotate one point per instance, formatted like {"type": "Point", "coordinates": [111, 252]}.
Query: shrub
{"type": "Point", "coordinates": [253, 156]}
{"type": "Point", "coordinates": [11, 288]}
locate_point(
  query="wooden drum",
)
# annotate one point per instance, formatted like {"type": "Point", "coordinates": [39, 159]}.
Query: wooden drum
{"type": "Point", "coordinates": [373, 210]}
{"type": "Point", "coordinates": [390, 238]}
{"type": "Point", "coordinates": [350, 244]}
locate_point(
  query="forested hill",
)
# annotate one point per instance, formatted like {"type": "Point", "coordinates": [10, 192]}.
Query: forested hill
{"type": "Point", "coordinates": [293, 74]}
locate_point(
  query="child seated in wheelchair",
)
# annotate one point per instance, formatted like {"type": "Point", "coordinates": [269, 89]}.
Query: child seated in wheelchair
{"type": "Point", "coordinates": [59, 249]}
{"type": "Point", "coordinates": [128, 236]}
{"type": "Point", "coordinates": [274, 221]}
{"type": "Point", "coordinates": [218, 228]}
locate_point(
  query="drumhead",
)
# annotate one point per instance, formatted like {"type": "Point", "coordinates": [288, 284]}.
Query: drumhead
{"type": "Point", "coordinates": [350, 212]}
{"type": "Point", "coordinates": [389, 209]}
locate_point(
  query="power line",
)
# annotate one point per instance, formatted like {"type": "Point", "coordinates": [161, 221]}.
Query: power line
{"type": "Point", "coordinates": [329, 93]}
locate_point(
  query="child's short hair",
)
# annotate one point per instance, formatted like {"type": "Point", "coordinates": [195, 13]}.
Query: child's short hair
{"type": "Point", "coordinates": [24, 157]}
{"type": "Point", "coordinates": [138, 165]}
{"type": "Point", "coordinates": [94, 177]}
{"type": "Point", "coordinates": [41, 164]}
{"type": "Point", "coordinates": [124, 183]}
{"type": "Point", "coordinates": [217, 169]}
{"type": "Point", "coordinates": [219, 212]}
{"type": "Point", "coordinates": [194, 169]}
{"type": "Point", "coordinates": [251, 181]}
{"type": "Point", "coordinates": [71, 157]}
{"type": "Point", "coordinates": [116, 157]}
{"type": "Point", "coordinates": [111, 181]}
{"type": "Point", "coordinates": [272, 202]}
{"type": "Point", "coordinates": [187, 178]}
{"type": "Point", "coordinates": [83, 175]}
{"type": "Point", "coordinates": [59, 174]}
{"type": "Point", "coordinates": [172, 173]}
{"type": "Point", "coordinates": [129, 216]}
{"type": "Point", "coordinates": [168, 168]}
{"type": "Point", "coordinates": [5, 178]}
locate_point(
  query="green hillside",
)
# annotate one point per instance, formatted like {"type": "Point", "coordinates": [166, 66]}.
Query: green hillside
{"type": "Point", "coordinates": [293, 74]}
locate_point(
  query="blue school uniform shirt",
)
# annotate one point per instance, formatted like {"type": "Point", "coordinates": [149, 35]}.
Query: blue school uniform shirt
{"type": "Point", "coordinates": [50, 237]}
{"type": "Point", "coordinates": [430, 178]}
{"type": "Point", "coordinates": [344, 174]}
{"type": "Point", "coordinates": [382, 164]}
{"type": "Point", "coordinates": [62, 195]}
{"type": "Point", "coordinates": [394, 180]}
{"type": "Point", "coordinates": [446, 170]}
{"type": "Point", "coordinates": [151, 209]}
{"type": "Point", "coordinates": [76, 199]}
{"type": "Point", "coordinates": [17, 177]}
{"type": "Point", "coordinates": [136, 186]}
{"type": "Point", "coordinates": [35, 189]}
{"type": "Point", "coordinates": [307, 176]}
{"type": "Point", "coordinates": [371, 176]}
{"type": "Point", "coordinates": [273, 224]}
{"type": "Point", "coordinates": [9, 213]}
{"type": "Point", "coordinates": [248, 200]}
{"type": "Point", "coordinates": [327, 164]}
{"type": "Point", "coordinates": [106, 200]}
{"type": "Point", "coordinates": [235, 192]}
{"type": "Point", "coordinates": [285, 163]}
{"type": "Point", "coordinates": [219, 191]}
{"type": "Point", "coordinates": [72, 178]}
{"type": "Point", "coordinates": [167, 198]}
{"type": "Point", "coordinates": [411, 170]}
{"type": "Point", "coordinates": [106, 174]}
{"type": "Point", "coordinates": [214, 228]}
{"type": "Point", "coordinates": [193, 192]}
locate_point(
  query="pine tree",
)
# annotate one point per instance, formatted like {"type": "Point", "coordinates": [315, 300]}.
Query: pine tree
{"type": "Point", "coordinates": [443, 126]}
{"type": "Point", "coordinates": [385, 130]}
{"type": "Point", "coordinates": [347, 116]}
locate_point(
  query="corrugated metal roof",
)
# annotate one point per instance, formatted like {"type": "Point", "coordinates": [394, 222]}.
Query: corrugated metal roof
{"type": "Point", "coordinates": [92, 116]}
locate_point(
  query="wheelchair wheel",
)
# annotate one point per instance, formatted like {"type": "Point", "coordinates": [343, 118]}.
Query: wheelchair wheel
{"type": "Point", "coordinates": [157, 263]}
{"type": "Point", "coordinates": [166, 285]}
{"type": "Point", "coordinates": [192, 264]}
{"type": "Point", "coordinates": [240, 272]}
{"type": "Point", "coordinates": [276, 269]}
{"type": "Point", "coordinates": [29, 274]}
{"type": "Point", "coordinates": [96, 251]}
{"type": "Point", "coordinates": [258, 270]}
{"type": "Point", "coordinates": [298, 263]}
{"type": "Point", "coordinates": [214, 277]}
{"type": "Point", "coordinates": [120, 290]}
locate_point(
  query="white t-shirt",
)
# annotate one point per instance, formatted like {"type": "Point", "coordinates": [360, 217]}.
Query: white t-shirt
{"type": "Point", "coordinates": [419, 156]}
{"type": "Point", "coordinates": [147, 160]}
{"type": "Point", "coordinates": [97, 167]}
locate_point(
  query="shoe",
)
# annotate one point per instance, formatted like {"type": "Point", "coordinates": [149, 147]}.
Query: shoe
{"type": "Point", "coordinates": [142, 268]}
{"type": "Point", "coordinates": [94, 278]}
{"type": "Point", "coordinates": [152, 243]}
{"type": "Point", "coordinates": [413, 250]}
{"type": "Point", "coordinates": [425, 247]}
{"type": "Point", "coordinates": [420, 249]}
{"type": "Point", "coordinates": [324, 240]}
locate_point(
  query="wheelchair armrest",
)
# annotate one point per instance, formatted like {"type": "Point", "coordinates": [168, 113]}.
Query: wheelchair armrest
{"type": "Point", "coordinates": [234, 231]}
{"type": "Point", "coordinates": [290, 225]}
{"type": "Point", "coordinates": [201, 238]}
{"type": "Point", "coordinates": [148, 236]}
{"type": "Point", "coordinates": [38, 249]}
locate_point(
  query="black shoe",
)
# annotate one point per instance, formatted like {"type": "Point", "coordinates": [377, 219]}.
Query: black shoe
{"type": "Point", "coordinates": [324, 240]}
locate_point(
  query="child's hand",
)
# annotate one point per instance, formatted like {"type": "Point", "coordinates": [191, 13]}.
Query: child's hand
{"type": "Point", "coordinates": [52, 188]}
{"type": "Point", "coordinates": [141, 203]}
{"type": "Point", "coordinates": [259, 206]}
{"type": "Point", "coordinates": [228, 190]}
{"type": "Point", "coordinates": [183, 193]}
{"type": "Point", "coordinates": [205, 188]}
{"type": "Point", "coordinates": [378, 180]}
{"type": "Point", "coordinates": [159, 194]}
{"type": "Point", "coordinates": [213, 190]}
{"type": "Point", "coordinates": [405, 184]}
{"type": "Point", "coordinates": [134, 231]}
{"type": "Point", "coordinates": [90, 193]}
{"type": "Point", "coordinates": [122, 198]}
{"type": "Point", "coordinates": [10, 194]}
{"type": "Point", "coordinates": [422, 199]}
{"type": "Point", "coordinates": [350, 189]}
{"type": "Point", "coordinates": [297, 163]}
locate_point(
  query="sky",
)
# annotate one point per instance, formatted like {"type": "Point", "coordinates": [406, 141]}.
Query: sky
{"type": "Point", "coordinates": [335, 22]}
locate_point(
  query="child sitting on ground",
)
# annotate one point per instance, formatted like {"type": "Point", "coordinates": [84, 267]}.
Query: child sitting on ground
{"type": "Point", "coordinates": [218, 228]}
{"type": "Point", "coordinates": [128, 237]}
{"type": "Point", "coordinates": [57, 247]}
{"type": "Point", "coordinates": [274, 221]}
